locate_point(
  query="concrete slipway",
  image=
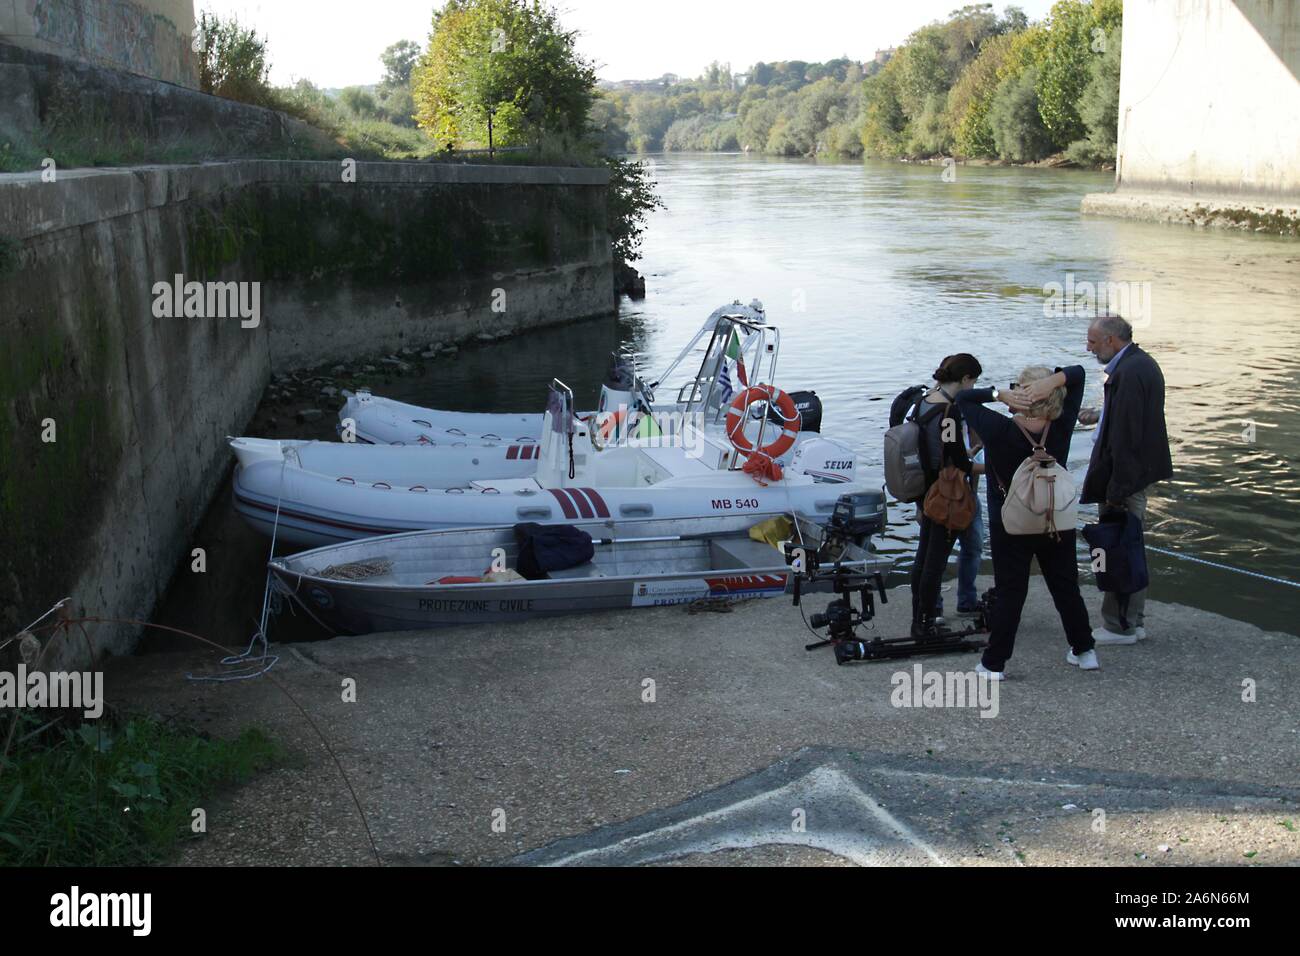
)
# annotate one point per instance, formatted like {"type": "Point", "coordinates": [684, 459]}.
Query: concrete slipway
{"type": "Point", "coordinates": [753, 751]}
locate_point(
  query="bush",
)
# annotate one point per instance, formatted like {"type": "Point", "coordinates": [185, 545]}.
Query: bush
{"type": "Point", "coordinates": [232, 61]}
{"type": "Point", "coordinates": [1018, 132]}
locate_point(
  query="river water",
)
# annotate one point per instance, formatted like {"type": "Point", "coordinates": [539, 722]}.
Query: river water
{"type": "Point", "coordinates": [876, 271]}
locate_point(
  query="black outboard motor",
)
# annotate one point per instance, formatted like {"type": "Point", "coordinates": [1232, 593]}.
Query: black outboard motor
{"type": "Point", "coordinates": [809, 407]}
{"type": "Point", "coordinates": [621, 376]}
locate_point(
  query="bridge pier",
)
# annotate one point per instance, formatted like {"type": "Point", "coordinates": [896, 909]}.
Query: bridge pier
{"type": "Point", "coordinates": [1209, 115]}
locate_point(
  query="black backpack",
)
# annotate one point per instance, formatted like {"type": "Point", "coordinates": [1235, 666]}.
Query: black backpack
{"type": "Point", "coordinates": [550, 547]}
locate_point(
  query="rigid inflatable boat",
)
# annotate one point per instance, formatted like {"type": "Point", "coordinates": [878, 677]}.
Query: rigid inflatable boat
{"type": "Point", "coordinates": [318, 493]}
{"type": "Point", "coordinates": [735, 336]}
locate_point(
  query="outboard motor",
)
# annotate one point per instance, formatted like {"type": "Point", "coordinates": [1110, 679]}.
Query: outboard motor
{"type": "Point", "coordinates": [825, 459]}
{"type": "Point", "coordinates": [618, 393]}
{"type": "Point", "coordinates": [809, 407]}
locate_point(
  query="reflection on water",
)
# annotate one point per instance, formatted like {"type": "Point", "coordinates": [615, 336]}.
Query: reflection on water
{"type": "Point", "coordinates": [876, 271]}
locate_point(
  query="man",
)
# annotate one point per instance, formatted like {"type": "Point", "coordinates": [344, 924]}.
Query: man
{"type": "Point", "coordinates": [1131, 452]}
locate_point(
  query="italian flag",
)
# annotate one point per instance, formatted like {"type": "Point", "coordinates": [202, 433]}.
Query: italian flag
{"type": "Point", "coordinates": [733, 353]}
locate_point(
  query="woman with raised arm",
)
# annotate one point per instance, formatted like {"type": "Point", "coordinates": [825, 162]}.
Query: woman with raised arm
{"type": "Point", "coordinates": [1041, 401]}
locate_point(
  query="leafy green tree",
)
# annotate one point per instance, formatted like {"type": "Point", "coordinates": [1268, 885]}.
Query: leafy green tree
{"type": "Point", "coordinates": [630, 198]}
{"type": "Point", "coordinates": [359, 101]}
{"type": "Point", "coordinates": [1076, 35]}
{"type": "Point", "coordinates": [972, 95]}
{"type": "Point", "coordinates": [1018, 131]}
{"type": "Point", "coordinates": [649, 117]}
{"type": "Point", "coordinates": [884, 121]}
{"type": "Point", "coordinates": [399, 61]}
{"type": "Point", "coordinates": [504, 58]}
{"type": "Point", "coordinates": [1099, 107]}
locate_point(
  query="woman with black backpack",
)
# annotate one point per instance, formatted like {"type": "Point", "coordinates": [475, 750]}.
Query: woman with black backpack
{"type": "Point", "coordinates": [1045, 405]}
{"type": "Point", "coordinates": [940, 421]}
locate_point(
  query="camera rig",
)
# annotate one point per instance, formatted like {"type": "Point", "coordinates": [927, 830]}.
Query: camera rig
{"type": "Point", "coordinates": [843, 564]}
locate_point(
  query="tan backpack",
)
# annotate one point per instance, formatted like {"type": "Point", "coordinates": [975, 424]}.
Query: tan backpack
{"type": "Point", "coordinates": [1041, 498]}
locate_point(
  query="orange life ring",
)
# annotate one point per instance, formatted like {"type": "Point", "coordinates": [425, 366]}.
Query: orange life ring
{"type": "Point", "coordinates": [789, 415]}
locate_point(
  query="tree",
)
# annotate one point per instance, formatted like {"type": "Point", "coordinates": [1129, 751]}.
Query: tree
{"type": "Point", "coordinates": [1099, 107]}
{"type": "Point", "coordinates": [1076, 34]}
{"type": "Point", "coordinates": [1018, 131]}
{"type": "Point", "coordinates": [399, 61]}
{"type": "Point", "coordinates": [360, 102]}
{"type": "Point", "coordinates": [972, 95]}
{"type": "Point", "coordinates": [507, 59]}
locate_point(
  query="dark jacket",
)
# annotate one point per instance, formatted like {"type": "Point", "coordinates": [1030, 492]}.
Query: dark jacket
{"type": "Point", "coordinates": [935, 452]}
{"type": "Point", "coordinates": [1005, 446]}
{"type": "Point", "coordinates": [1132, 449]}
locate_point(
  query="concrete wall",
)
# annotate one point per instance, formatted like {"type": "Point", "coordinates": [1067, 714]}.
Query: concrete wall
{"type": "Point", "coordinates": [409, 253]}
{"type": "Point", "coordinates": [150, 37]}
{"type": "Point", "coordinates": [39, 88]}
{"type": "Point", "coordinates": [1210, 99]}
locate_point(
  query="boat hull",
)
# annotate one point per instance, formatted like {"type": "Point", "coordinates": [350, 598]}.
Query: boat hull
{"type": "Point", "coordinates": [655, 563]}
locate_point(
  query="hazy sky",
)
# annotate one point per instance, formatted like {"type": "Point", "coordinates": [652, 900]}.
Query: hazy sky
{"type": "Point", "coordinates": [337, 42]}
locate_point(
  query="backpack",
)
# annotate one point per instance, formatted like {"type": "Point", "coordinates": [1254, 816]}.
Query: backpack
{"type": "Point", "coordinates": [554, 547]}
{"type": "Point", "coordinates": [906, 470]}
{"type": "Point", "coordinates": [1042, 498]}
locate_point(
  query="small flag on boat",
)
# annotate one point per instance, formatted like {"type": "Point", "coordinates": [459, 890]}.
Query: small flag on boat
{"type": "Point", "coordinates": [725, 390]}
{"type": "Point", "coordinates": [733, 353]}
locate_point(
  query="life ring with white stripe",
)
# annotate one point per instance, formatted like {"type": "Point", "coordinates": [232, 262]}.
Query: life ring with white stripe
{"type": "Point", "coordinates": [790, 419]}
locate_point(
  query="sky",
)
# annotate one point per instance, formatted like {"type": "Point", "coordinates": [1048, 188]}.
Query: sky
{"type": "Point", "coordinates": [337, 43]}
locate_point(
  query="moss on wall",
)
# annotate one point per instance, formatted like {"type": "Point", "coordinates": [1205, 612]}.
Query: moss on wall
{"type": "Point", "coordinates": [51, 493]}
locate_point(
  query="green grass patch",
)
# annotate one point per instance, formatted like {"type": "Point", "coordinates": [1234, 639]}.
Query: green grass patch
{"type": "Point", "coordinates": [118, 794]}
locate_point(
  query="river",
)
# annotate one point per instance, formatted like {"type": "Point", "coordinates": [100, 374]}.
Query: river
{"type": "Point", "coordinates": [876, 271]}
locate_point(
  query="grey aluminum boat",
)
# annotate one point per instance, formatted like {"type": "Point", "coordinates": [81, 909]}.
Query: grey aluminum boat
{"type": "Point", "coordinates": [426, 579]}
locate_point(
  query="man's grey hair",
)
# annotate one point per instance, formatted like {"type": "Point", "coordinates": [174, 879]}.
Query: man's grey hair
{"type": "Point", "coordinates": [1114, 325]}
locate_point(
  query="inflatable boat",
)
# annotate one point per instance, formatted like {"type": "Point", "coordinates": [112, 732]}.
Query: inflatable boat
{"type": "Point", "coordinates": [318, 493]}
{"type": "Point", "coordinates": [735, 335]}
{"type": "Point", "coordinates": [434, 579]}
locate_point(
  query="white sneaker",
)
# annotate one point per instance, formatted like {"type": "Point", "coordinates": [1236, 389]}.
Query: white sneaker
{"type": "Point", "coordinates": [1141, 633]}
{"type": "Point", "coordinates": [1103, 636]}
{"type": "Point", "coordinates": [1087, 661]}
{"type": "Point", "coordinates": [983, 671]}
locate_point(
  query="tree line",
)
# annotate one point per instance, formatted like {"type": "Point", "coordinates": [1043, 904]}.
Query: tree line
{"type": "Point", "coordinates": [975, 85]}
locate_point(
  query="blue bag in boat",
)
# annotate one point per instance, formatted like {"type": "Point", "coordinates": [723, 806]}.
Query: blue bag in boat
{"type": "Point", "coordinates": [1122, 567]}
{"type": "Point", "coordinates": [550, 547]}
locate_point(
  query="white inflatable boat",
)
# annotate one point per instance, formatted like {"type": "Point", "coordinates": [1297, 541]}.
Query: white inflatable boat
{"type": "Point", "coordinates": [372, 419]}
{"type": "Point", "coordinates": [318, 493]}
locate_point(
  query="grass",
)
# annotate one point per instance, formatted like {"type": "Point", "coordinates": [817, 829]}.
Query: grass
{"type": "Point", "coordinates": [118, 794]}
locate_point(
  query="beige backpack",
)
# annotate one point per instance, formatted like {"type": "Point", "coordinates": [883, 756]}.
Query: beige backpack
{"type": "Point", "coordinates": [1041, 498]}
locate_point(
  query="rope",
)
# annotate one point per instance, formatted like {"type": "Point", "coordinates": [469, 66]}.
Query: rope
{"type": "Point", "coordinates": [1224, 567]}
{"type": "Point", "coordinates": [248, 657]}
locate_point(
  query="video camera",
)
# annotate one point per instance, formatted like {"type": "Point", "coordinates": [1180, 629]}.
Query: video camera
{"type": "Point", "coordinates": [856, 518]}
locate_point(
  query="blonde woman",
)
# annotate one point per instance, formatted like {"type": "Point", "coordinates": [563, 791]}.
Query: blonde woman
{"type": "Point", "coordinates": [1039, 396]}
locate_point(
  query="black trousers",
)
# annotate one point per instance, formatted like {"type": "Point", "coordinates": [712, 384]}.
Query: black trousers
{"type": "Point", "coordinates": [932, 551]}
{"type": "Point", "coordinates": [1012, 554]}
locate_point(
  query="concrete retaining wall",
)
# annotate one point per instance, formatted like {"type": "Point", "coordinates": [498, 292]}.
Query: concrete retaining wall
{"type": "Point", "coordinates": [150, 37]}
{"type": "Point", "coordinates": [140, 406]}
{"type": "Point", "coordinates": [39, 88]}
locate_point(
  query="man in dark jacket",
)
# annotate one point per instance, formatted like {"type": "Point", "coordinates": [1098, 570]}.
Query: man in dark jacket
{"type": "Point", "coordinates": [1131, 452]}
